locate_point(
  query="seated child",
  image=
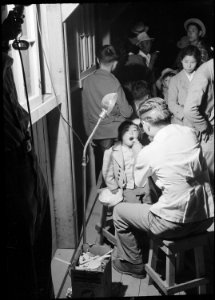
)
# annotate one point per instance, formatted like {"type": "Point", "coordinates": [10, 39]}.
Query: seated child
{"type": "Point", "coordinates": [118, 164]}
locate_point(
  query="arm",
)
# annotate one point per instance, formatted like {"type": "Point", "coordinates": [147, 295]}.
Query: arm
{"type": "Point", "coordinates": [108, 170]}
{"type": "Point", "coordinates": [136, 148]}
{"type": "Point", "coordinates": [125, 109]}
{"type": "Point", "coordinates": [196, 96]}
{"type": "Point", "coordinates": [142, 169]}
{"type": "Point", "coordinates": [172, 100]}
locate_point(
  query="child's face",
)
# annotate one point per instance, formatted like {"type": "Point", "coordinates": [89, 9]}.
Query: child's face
{"type": "Point", "coordinates": [130, 136]}
{"type": "Point", "coordinates": [189, 64]}
{"type": "Point", "coordinates": [193, 33]}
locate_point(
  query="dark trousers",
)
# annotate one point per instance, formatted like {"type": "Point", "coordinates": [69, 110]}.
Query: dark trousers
{"type": "Point", "coordinates": [29, 236]}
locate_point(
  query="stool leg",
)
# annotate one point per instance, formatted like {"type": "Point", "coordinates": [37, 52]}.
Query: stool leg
{"type": "Point", "coordinates": [152, 261]}
{"type": "Point", "coordinates": [200, 267]}
{"type": "Point", "coordinates": [170, 269]}
{"type": "Point", "coordinates": [180, 262]}
{"type": "Point", "coordinates": [102, 224]}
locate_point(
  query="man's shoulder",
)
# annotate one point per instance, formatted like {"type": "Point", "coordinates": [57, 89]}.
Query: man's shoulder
{"type": "Point", "coordinates": [207, 66]}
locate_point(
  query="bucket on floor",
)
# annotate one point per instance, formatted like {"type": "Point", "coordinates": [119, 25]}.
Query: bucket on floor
{"type": "Point", "coordinates": [92, 283]}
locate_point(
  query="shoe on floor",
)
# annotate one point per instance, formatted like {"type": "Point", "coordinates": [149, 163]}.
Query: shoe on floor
{"type": "Point", "coordinates": [125, 267]}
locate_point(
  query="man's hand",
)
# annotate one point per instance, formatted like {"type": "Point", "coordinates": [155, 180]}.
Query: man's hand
{"type": "Point", "coordinates": [204, 135]}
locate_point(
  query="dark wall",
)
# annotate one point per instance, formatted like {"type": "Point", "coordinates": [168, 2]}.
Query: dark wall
{"type": "Point", "coordinates": [165, 19]}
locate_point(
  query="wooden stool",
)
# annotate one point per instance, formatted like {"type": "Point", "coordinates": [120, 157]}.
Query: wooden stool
{"type": "Point", "coordinates": [172, 250]}
{"type": "Point", "coordinates": [103, 227]}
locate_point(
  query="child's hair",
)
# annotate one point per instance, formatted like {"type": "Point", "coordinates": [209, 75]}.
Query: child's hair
{"type": "Point", "coordinates": [123, 128]}
{"type": "Point", "coordinates": [107, 54]}
{"type": "Point", "coordinates": [191, 51]}
{"type": "Point", "coordinates": [139, 89]}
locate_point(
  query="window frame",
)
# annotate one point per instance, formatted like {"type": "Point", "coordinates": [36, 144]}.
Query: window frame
{"type": "Point", "coordinates": [42, 91]}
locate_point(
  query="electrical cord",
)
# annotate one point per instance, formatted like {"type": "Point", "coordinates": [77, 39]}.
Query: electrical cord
{"type": "Point", "coordinates": [17, 41]}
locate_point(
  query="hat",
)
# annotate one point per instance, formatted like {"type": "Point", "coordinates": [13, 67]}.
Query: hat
{"type": "Point", "coordinates": [183, 42]}
{"type": "Point", "coordinates": [106, 197]}
{"type": "Point", "coordinates": [143, 36]}
{"type": "Point", "coordinates": [195, 21]}
{"type": "Point", "coordinates": [139, 27]}
{"type": "Point", "coordinates": [163, 73]}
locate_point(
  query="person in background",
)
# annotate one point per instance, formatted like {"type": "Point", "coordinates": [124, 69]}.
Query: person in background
{"type": "Point", "coordinates": [199, 111]}
{"type": "Point", "coordinates": [163, 81]}
{"type": "Point", "coordinates": [196, 32]}
{"type": "Point", "coordinates": [140, 93]}
{"type": "Point", "coordinates": [144, 42]}
{"type": "Point", "coordinates": [132, 67]}
{"type": "Point", "coordinates": [139, 27]}
{"type": "Point", "coordinates": [95, 87]}
{"type": "Point", "coordinates": [186, 207]}
{"type": "Point", "coordinates": [190, 58]}
{"type": "Point", "coordinates": [28, 222]}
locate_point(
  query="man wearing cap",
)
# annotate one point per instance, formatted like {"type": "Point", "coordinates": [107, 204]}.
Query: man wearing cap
{"type": "Point", "coordinates": [195, 32]}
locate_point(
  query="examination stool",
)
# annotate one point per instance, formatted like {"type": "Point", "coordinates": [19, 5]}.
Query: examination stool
{"type": "Point", "coordinates": [104, 227]}
{"type": "Point", "coordinates": [173, 250]}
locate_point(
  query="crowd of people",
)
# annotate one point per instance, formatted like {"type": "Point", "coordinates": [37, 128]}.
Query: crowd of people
{"type": "Point", "coordinates": [161, 133]}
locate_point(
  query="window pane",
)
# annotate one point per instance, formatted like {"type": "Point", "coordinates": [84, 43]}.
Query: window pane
{"type": "Point", "coordinates": [26, 63]}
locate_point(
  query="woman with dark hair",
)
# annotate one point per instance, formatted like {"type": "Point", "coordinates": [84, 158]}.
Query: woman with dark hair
{"type": "Point", "coordinates": [189, 61]}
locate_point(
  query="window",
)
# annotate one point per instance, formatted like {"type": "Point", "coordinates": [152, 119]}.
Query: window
{"type": "Point", "coordinates": [87, 53]}
{"type": "Point", "coordinates": [37, 77]}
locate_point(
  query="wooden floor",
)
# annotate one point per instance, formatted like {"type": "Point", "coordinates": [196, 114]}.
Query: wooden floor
{"type": "Point", "coordinates": [122, 285]}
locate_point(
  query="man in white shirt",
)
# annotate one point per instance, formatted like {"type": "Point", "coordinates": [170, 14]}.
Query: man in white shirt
{"type": "Point", "coordinates": [174, 160]}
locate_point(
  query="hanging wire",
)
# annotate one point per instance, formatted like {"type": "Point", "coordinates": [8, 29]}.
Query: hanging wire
{"type": "Point", "coordinates": [17, 42]}
{"type": "Point", "coordinates": [46, 61]}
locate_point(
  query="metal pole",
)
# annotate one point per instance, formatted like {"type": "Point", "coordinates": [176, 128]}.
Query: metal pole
{"type": "Point", "coordinates": [84, 187]}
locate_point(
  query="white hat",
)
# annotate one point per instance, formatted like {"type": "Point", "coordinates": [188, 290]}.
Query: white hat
{"type": "Point", "coordinates": [163, 73]}
{"type": "Point", "coordinates": [143, 36]}
{"type": "Point", "coordinates": [106, 197]}
{"type": "Point", "coordinates": [195, 21]}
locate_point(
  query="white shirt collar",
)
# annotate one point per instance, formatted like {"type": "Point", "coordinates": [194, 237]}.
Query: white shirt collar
{"type": "Point", "coordinates": [190, 76]}
{"type": "Point", "coordinates": [146, 56]}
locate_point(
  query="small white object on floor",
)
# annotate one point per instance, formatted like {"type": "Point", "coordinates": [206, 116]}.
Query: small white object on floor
{"type": "Point", "coordinates": [69, 293]}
